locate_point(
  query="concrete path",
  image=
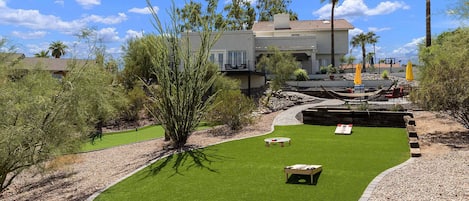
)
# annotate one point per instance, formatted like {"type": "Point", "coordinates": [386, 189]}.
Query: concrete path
{"type": "Point", "coordinates": [288, 117]}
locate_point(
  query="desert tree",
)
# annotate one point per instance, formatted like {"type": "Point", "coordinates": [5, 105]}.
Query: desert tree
{"type": "Point", "coordinates": [280, 64]}
{"type": "Point", "coordinates": [240, 15]}
{"type": "Point", "coordinates": [193, 16]}
{"type": "Point", "coordinates": [266, 9]}
{"type": "Point", "coordinates": [179, 99]}
{"type": "Point", "coordinates": [137, 58]}
{"type": "Point", "coordinates": [443, 78]}
{"type": "Point", "coordinates": [43, 117]}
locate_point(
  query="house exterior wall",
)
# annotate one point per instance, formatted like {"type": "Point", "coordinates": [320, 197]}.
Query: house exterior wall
{"type": "Point", "coordinates": [240, 41]}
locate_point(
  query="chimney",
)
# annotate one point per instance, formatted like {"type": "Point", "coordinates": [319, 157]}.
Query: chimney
{"type": "Point", "coordinates": [282, 21]}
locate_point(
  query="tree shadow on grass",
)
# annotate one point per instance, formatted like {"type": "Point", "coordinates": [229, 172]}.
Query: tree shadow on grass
{"type": "Point", "coordinates": [187, 158]}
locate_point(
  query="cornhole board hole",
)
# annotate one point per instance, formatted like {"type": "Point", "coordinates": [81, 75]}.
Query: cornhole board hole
{"type": "Point", "coordinates": [343, 129]}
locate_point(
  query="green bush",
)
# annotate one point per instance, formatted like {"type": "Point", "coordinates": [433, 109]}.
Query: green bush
{"type": "Point", "coordinates": [385, 74]}
{"type": "Point", "coordinates": [233, 109]}
{"type": "Point", "coordinates": [323, 69]}
{"type": "Point", "coordinates": [301, 74]}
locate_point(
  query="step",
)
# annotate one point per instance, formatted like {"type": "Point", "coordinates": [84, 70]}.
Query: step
{"type": "Point", "coordinates": [414, 145]}
{"type": "Point", "coordinates": [412, 132]}
{"type": "Point", "coordinates": [409, 120]}
{"type": "Point", "coordinates": [413, 140]}
{"type": "Point", "coordinates": [415, 152]}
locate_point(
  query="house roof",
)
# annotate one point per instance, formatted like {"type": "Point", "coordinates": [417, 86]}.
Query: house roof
{"type": "Point", "coordinates": [305, 25]}
{"type": "Point", "coordinates": [51, 64]}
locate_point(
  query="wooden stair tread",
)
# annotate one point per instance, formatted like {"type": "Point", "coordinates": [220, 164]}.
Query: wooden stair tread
{"type": "Point", "coordinates": [409, 120]}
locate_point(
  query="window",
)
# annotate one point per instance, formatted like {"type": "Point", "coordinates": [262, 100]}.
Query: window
{"type": "Point", "coordinates": [236, 58]}
{"type": "Point", "coordinates": [217, 58]}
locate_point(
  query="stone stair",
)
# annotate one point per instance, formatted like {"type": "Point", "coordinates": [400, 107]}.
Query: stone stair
{"type": "Point", "coordinates": [413, 137]}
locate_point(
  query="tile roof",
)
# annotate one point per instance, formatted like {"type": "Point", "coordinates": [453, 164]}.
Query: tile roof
{"type": "Point", "coordinates": [305, 25]}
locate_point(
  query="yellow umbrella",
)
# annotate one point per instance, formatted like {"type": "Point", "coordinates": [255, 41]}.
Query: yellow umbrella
{"type": "Point", "coordinates": [409, 76]}
{"type": "Point", "coordinates": [358, 75]}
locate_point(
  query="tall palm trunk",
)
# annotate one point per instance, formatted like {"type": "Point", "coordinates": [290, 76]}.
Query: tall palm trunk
{"type": "Point", "coordinates": [428, 22]}
{"type": "Point", "coordinates": [332, 34]}
{"type": "Point", "coordinates": [363, 57]}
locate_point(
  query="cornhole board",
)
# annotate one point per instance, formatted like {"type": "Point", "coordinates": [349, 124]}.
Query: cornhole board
{"type": "Point", "coordinates": [343, 129]}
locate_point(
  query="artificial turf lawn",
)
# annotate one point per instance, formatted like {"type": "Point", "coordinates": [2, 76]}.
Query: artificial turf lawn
{"type": "Point", "coordinates": [131, 136]}
{"type": "Point", "coordinates": [248, 170]}
{"type": "Point", "coordinates": [126, 137]}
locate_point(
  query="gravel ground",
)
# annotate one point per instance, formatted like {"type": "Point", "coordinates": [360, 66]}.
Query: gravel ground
{"type": "Point", "coordinates": [435, 177]}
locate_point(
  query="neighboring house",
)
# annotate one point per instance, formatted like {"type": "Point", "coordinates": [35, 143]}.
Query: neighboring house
{"type": "Point", "coordinates": [57, 67]}
{"type": "Point", "coordinates": [237, 52]}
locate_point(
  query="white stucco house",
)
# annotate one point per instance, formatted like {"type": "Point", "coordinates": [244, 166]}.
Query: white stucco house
{"type": "Point", "coordinates": [236, 52]}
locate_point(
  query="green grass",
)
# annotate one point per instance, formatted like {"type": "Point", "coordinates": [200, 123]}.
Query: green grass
{"type": "Point", "coordinates": [248, 170]}
{"type": "Point", "coordinates": [126, 137]}
{"type": "Point", "coordinates": [131, 136]}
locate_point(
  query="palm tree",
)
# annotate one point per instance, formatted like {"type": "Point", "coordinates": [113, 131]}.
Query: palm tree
{"type": "Point", "coordinates": [361, 40]}
{"type": "Point", "coordinates": [334, 3]}
{"type": "Point", "coordinates": [58, 49]}
{"type": "Point", "coordinates": [42, 54]}
{"type": "Point", "coordinates": [428, 22]}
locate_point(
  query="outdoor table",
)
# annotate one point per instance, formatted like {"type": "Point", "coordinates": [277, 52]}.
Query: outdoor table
{"type": "Point", "coordinates": [303, 170]}
{"type": "Point", "coordinates": [280, 140]}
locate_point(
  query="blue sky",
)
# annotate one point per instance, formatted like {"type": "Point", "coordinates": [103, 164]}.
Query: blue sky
{"type": "Point", "coordinates": [31, 25]}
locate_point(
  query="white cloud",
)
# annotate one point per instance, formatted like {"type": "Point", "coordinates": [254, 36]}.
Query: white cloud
{"type": "Point", "coordinates": [376, 29]}
{"type": "Point", "coordinates": [145, 10]}
{"type": "Point", "coordinates": [355, 32]}
{"type": "Point", "coordinates": [87, 4]}
{"type": "Point", "coordinates": [106, 20]}
{"type": "Point", "coordinates": [3, 4]}
{"type": "Point", "coordinates": [133, 34]}
{"type": "Point", "coordinates": [60, 2]}
{"type": "Point", "coordinates": [29, 35]}
{"type": "Point", "coordinates": [108, 35]}
{"type": "Point", "coordinates": [351, 9]}
{"type": "Point", "coordinates": [410, 49]}
{"type": "Point", "coordinates": [35, 20]}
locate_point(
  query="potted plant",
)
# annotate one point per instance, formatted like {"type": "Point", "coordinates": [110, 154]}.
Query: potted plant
{"type": "Point", "coordinates": [331, 70]}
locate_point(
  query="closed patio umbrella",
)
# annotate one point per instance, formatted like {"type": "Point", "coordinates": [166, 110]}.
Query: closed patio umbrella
{"type": "Point", "coordinates": [358, 75]}
{"type": "Point", "coordinates": [409, 75]}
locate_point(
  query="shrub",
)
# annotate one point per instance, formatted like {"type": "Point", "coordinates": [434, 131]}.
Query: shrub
{"type": "Point", "coordinates": [233, 109]}
{"type": "Point", "coordinates": [323, 69]}
{"type": "Point", "coordinates": [385, 74]}
{"type": "Point", "coordinates": [301, 74]}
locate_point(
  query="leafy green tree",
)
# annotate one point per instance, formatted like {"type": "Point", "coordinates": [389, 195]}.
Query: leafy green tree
{"type": "Point", "coordinates": [266, 9]}
{"type": "Point", "coordinates": [193, 16]}
{"type": "Point", "coordinates": [362, 40]}
{"type": "Point", "coordinates": [43, 117]}
{"type": "Point", "coordinates": [42, 54]}
{"type": "Point", "coordinates": [137, 58]}
{"type": "Point", "coordinates": [233, 109]}
{"type": "Point", "coordinates": [334, 4]}
{"type": "Point", "coordinates": [184, 77]}
{"type": "Point", "coordinates": [240, 15]}
{"type": "Point", "coordinates": [58, 49]}
{"type": "Point", "coordinates": [443, 79]}
{"type": "Point", "coordinates": [280, 64]}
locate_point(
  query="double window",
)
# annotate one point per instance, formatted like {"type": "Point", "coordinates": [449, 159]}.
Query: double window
{"type": "Point", "coordinates": [236, 58]}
